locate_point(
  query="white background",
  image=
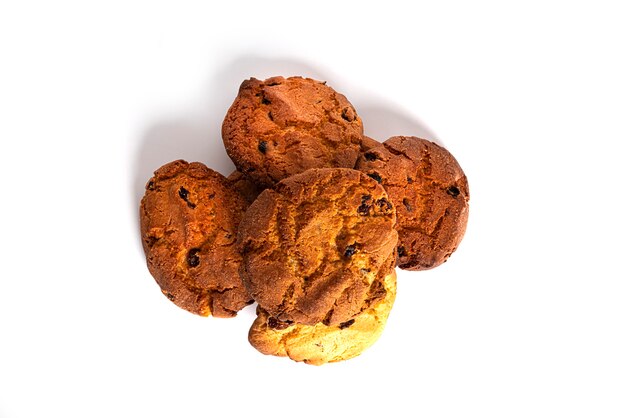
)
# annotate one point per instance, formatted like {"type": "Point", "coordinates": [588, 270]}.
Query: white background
{"type": "Point", "coordinates": [528, 317]}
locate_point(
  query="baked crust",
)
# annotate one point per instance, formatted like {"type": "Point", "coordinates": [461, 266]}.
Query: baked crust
{"type": "Point", "coordinates": [246, 187]}
{"type": "Point", "coordinates": [431, 195]}
{"type": "Point", "coordinates": [284, 126]}
{"type": "Point", "coordinates": [319, 344]}
{"type": "Point", "coordinates": [313, 247]}
{"type": "Point", "coordinates": [189, 217]}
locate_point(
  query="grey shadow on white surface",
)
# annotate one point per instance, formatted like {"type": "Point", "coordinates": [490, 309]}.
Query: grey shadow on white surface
{"type": "Point", "coordinates": [382, 121]}
{"type": "Point", "coordinates": [195, 134]}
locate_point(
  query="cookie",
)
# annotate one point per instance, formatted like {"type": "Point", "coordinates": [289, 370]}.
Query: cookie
{"type": "Point", "coordinates": [312, 248]}
{"type": "Point", "coordinates": [189, 219]}
{"type": "Point", "coordinates": [368, 143]}
{"type": "Point", "coordinates": [431, 195]}
{"type": "Point", "coordinates": [284, 126]}
{"type": "Point", "coordinates": [319, 344]}
{"type": "Point", "coordinates": [246, 187]}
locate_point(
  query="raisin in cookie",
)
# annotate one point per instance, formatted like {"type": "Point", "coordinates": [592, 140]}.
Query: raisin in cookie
{"type": "Point", "coordinates": [430, 193]}
{"type": "Point", "coordinates": [312, 248]}
{"type": "Point", "coordinates": [189, 219]}
{"type": "Point", "coordinates": [284, 126]}
{"type": "Point", "coordinates": [319, 344]}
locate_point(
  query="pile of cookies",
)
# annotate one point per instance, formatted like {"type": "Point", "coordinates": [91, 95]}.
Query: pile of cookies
{"type": "Point", "coordinates": [311, 226]}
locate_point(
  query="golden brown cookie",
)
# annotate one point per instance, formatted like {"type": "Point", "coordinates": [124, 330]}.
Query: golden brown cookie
{"type": "Point", "coordinates": [284, 126]}
{"type": "Point", "coordinates": [312, 248]}
{"type": "Point", "coordinates": [368, 143]}
{"type": "Point", "coordinates": [248, 189]}
{"type": "Point", "coordinates": [319, 344]}
{"type": "Point", "coordinates": [430, 193]}
{"type": "Point", "coordinates": [189, 218]}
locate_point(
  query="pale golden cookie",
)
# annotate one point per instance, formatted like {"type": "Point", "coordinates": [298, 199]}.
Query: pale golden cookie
{"type": "Point", "coordinates": [319, 344]}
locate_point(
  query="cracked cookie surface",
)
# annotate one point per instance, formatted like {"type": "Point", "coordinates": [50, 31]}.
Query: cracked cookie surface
{"type": "Point", "coordinates": [430, 193]}
{"type": "Point", "coordinates": [313, 247]}
{"type": "Point", "coordinates": [284, 126]}
{"type": "Point", "coordinates": [189, 217]}
{"type": "Point", "coordinates": [319, 344]}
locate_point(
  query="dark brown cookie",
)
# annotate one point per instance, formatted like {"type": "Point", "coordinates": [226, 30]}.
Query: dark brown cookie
{"type": "Point", "coordinates": [313, 247]}
{"type": "Point", "coordinates": [284, 126]}
{"type": "Point", "coordinates": [430, 193]}
{"type": "Point", "coordinates": [189, 219]}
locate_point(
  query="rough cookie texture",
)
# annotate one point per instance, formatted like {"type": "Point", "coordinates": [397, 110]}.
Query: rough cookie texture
{"type": "Point", "coordinates": [284, 126]}
{"type": "Point", "coordinates": [368, 143]}
{"type": "Point", "coordinates": [189, 219]}
{"type": "Point", "coordinates": [312, 248]}
{"type": "Point", "coordinates": [430, 193]}
{"type": "Point", "coordinates": [248, 189]}
{"type": "Point", "coordinates": [319, 344]}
